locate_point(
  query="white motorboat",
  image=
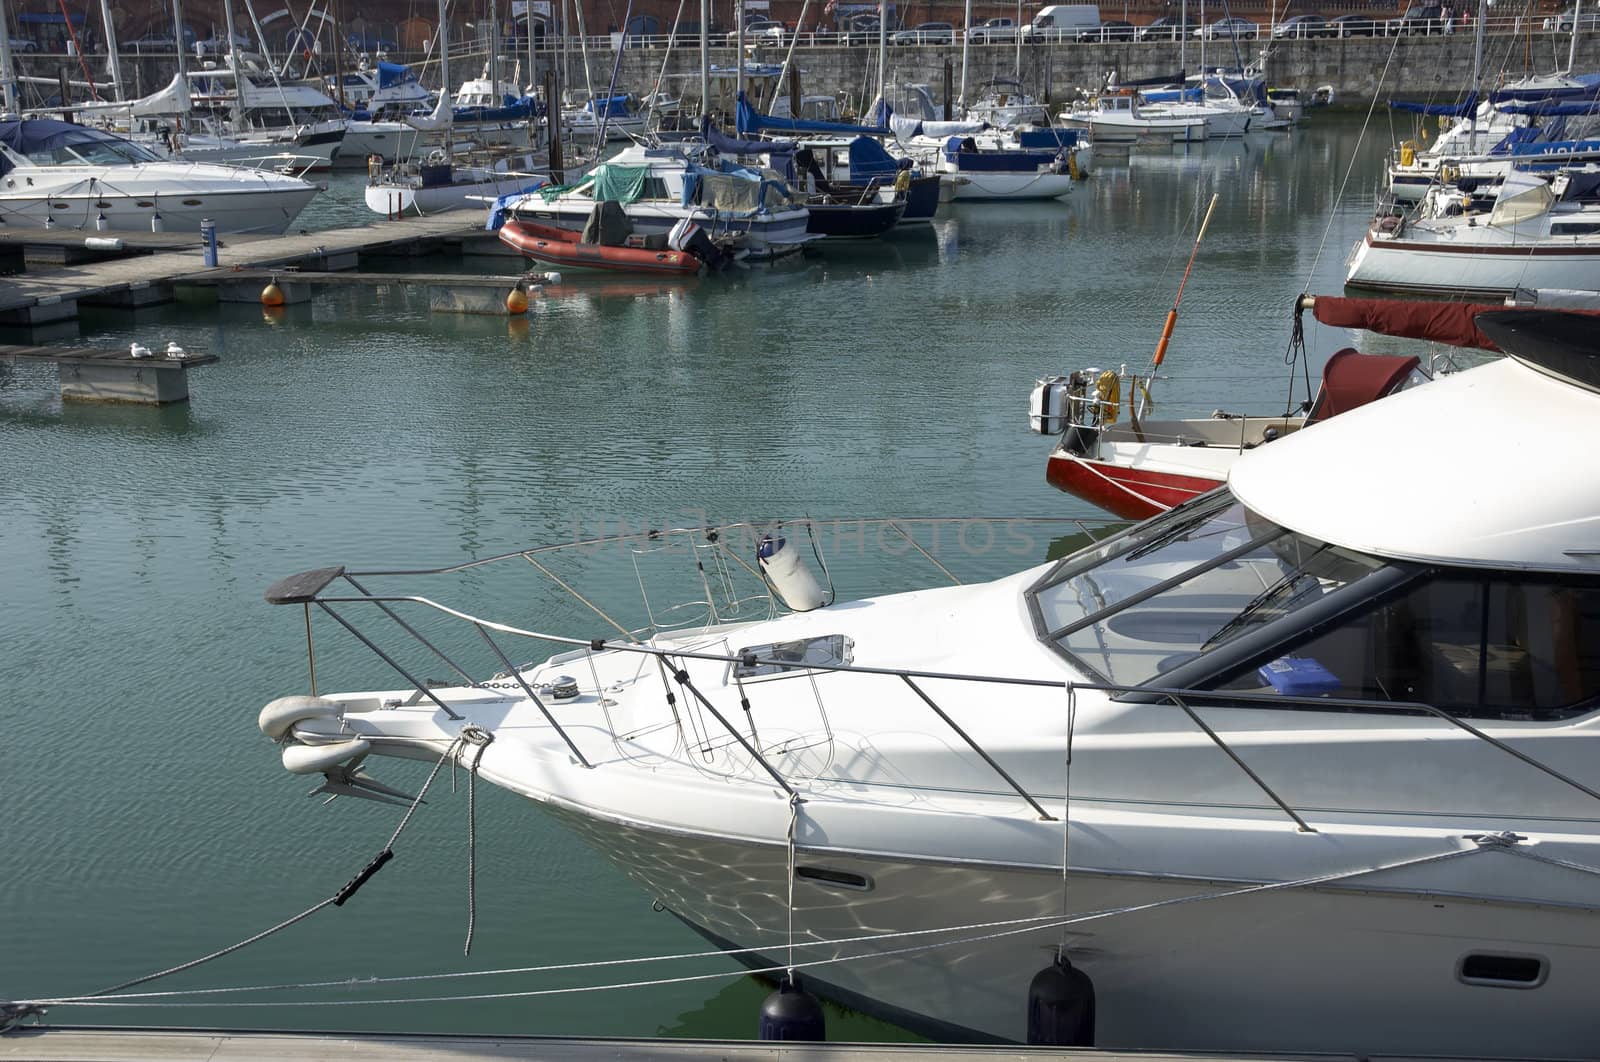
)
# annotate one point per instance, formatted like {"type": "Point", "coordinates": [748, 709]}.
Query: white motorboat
{"type": "Point", "coordinates": [58, 174]}
{"type": "Point", "coordinates": [1117, 117]}
{"type": "Point", "coordinates": [1539, 234]}
{"type": "Point", "coordinates": [244, 105]}
{"type": "Point", "coordinates": [1306, 765]}
{"type": "Point", "coordinates": [659, 187]}
{"type": "Point", "coordinates": [1004, 104]}
{"type": "Point", "coordinates": [1224, 118]}
{"type": "Point", "coordinates": [620, 115]}
{"type": "Point", "coordinates": [438, 183]}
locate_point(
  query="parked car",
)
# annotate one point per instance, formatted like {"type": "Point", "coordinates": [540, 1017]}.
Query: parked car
{"type": "Point", "coordinates": [1110, 30]}
{"type": "Point", "coordinates": [1062, 22]}
{"type": "Point", "coordinates": [1301, 27]}
{"type": "Point", "coordinates": [761, 31]}
{"type": "Point", "coordinates": [1356, 26]}
{"type": "Point", "coordinates": [215, 45]}
{"type": "Point", "coordinates": [1419, 18]}
{"type": "Point", "coordinates": [1562, 23]}
{"type": "Point", "coordinates": [20, 45]}
{"type": "Point", "coordinates": [1165, 28]}
{"type": "Point", "coordinates": [1228, 29]}
{"type": "Point", "coordinates": [926, 33]}
{"type": "Point", "coordinates": [160, 40]}
{"type": "Point", "coordinates": [859, 29]}
{"type": "Point", "coordinates": [993, 31]}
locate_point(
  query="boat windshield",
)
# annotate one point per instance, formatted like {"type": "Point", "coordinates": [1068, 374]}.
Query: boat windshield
{"type": "Point", "coordinates": [1141, 604]}
{"type": "Point", "coordinates": [91, 149]}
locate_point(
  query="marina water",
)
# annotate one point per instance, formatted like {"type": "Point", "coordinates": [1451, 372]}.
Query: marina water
{"type": "Point", "coordinates": [148, 822]}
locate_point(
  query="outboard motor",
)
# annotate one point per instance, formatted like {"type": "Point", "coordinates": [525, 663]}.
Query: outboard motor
{"type": "Point", "coordinates": [787, 574]}
{"type": "Point", "coordinates": [1048, 406]}
{"type": "Point", "coordinates": [689, 237]}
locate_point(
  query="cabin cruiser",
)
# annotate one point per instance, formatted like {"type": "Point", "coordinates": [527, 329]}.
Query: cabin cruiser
{"type": "Point", "coordinates": [256, 108]}
{"type": "Point", "coordinates": [1541, 232]}
{"type": "Point", "coordinates": [419, 187]}
{"type": "Point", "coordinates": [1308, 764]}
{"type": "Point", "coordinates": [1117, 117]}
{"type": "Point", "coordinates": [58, 174]}
{"type": "Point", "coordinates": [1003, 104]}
{"type": "Point", "coordinates": [658, 187]}
{"type": "Point", "coordinates": [619, 115]}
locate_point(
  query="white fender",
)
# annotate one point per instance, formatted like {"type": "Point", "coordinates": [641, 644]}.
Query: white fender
{"type": "Point", "coordinates": [788, 575]}
{"type": "Point", "coordinates": [276, 718]}
{"type": "Point", "coordinates": [314, 759]}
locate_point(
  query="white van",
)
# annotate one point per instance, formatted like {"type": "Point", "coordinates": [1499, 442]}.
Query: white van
{"type": "Point", "coordinates": [1062, 22]}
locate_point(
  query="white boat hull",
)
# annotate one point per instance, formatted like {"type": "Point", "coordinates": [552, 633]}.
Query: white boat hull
{"type": "Point", "coordinates": [975, 187]}
{"type": "Point", "coordinates": [248, 210]}
{"type": "Point", "coordinates": [1408, 265]}
{"type": "Point", "coordinates": [393, 199]}
{"type": "Point", "coordinates": [392, 141]}
{"type": "Point", "coordinates": [764, 236]}
{"type": "Point", "coordinates": [1138, 131]}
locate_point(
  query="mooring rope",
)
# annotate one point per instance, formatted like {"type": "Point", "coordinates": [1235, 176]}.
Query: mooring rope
{"type": "Point", "coordinates": [479, 739]}
{"type": "Point", "coordinates": [1012, 927]}
{"type": "Point", "coordinates": [336, 900]}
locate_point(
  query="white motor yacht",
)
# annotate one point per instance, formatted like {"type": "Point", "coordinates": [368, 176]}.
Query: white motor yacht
{"type": "Point", "coordinates": [1004, 104]}
{"type": "Point", "coordinates": [55, 173]}
{"type": "Point", "coordinates": [659, 187]}
{"type": "Point", "coordinates": [1308, 764]}
{"type": "Point", "coordinates": [255, 108]}
{"type": "Point", "coordinates": [1116, 117]}
{"type": "Point", "coordinates": [1540, 233]}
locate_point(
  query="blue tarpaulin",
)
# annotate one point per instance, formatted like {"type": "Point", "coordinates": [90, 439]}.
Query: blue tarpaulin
{"type": "Point", "coordinates": [392, 74]}
{"type": "Point", "coordinates": [749, 120]}
{"type": "Point", "coordinates": [515, 111]}
{"type": "Point", "coordinates": [868, 159]}
{"type": "Point", "coordinates": [1453, 110]}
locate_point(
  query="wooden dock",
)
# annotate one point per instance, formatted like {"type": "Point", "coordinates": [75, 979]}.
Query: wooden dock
{"type": "Point", "coordinates": [46, 1044]}
{"type": "Point", "coordinates": [99, 374]}
{"type": "Point", "coordinates": [150, 278]}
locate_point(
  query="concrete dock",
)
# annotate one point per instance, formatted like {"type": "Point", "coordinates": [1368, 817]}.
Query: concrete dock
{"type": "Point", "coordinates": [45, 1044]}
{"type": "Point", "coordinates": [97, 374]}
{"type": "Point", "coordinates": [147, 279]}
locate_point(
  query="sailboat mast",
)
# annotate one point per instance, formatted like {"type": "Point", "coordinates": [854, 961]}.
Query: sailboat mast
{"type": "Point", "coordinates": [1018, 27]}
{"type": "Point", "coordinates": [1183, 37]}
{"type": "Point", "coordinates": [177, 32]}
{"type": "Point", "coordinates": [494, 53]}
{"type": "Point", "coordinates": [233, 65]}
{"type": "Point", "coordinates": [966, 47]}
{"type": "Point", "coordinates": [705, 59]}
{"type": "Point", "coordinates": [113, 60]}
{"type": "Point", "coordinates": [444, 75]}
{"type": "Point", "coordinates": [883, 62]}
{"type": "Point", "coordinates": [738, 53]}
{"type": "Point", "coordinates": [1572, 51]}
{"type": "Point", "coordinates": [8, 75]}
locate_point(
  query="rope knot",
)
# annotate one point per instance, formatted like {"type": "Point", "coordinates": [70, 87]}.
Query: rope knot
{"type": "Point", "coordinates": [1503, 839]}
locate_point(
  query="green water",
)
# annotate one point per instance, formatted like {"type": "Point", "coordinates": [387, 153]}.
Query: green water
{"type": "Point", "coordinates": [146, 821]}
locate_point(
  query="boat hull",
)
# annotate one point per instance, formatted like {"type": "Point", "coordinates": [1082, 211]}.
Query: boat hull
{"type": "Point", "coordinates": [399, 199]}
{"type": "Point", "coordinates": [267, 211]}
{"type": "Point", "coordinates": [765, 235]}
{"type": "Point", "coordinates": [1131, 493]}
{"type": "Point", "coordinates": [980, 186]}
{"type": "Point", "coordinates": [853, 221]}
{"type": "Point", "coordinates": [1250, 973]}
{"type": "Point", "coordinates": [1399, 264]}
{"type": "Point", "coordinates": [553, 246]}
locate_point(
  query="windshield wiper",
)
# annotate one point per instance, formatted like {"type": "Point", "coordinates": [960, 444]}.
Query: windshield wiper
{"type": "Point", "coordinates": [1259, 602]}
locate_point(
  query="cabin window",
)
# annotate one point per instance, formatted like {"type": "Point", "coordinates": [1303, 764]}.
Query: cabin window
{"type": "Point", "coordinates": [1179, 586]}
{"type": "Point", "coordinates": [1489, 646]}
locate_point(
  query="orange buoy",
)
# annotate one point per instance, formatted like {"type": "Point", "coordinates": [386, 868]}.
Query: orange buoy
{"type": "Point", "coordinates": [517, 301]}
{"type": "Point", "coordinates": [272, 295]}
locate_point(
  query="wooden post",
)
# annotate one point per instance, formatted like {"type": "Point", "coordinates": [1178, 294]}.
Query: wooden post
{"type": "Point", "coordinates": [794, 92]}
{"type": "Point", "coordinates": [552, 114]}
{"type": "Point", "coordinates": [948, 74]}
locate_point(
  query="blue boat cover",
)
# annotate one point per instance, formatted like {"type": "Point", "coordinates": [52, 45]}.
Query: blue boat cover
{"type": "Point", "coordinates": [728, 145]}
{"type": "Point", "coordinates": [516, 111]}
{"type": "Point", "coordinates": [392, 74]}
{"type": "Point", "coordinates": [609, 106]}
{"type": "Point", "coordinates": [1047, 138]}
{"type": "Point", "coordinates": [36, 136]}
{"type": "Point", "coordinates": [1453, 110]}
{"type": "Point", "coordinates": [868, 159]}
{"type": "Point", "coordinates": [1552, 107]}
{"type": "Point", "coordinates": [970, 160]}
{"type": "Point", "coordinates": [749, 120]}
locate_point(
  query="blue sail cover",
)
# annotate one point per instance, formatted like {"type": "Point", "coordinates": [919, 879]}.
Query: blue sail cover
{"type": "Point", "coordinates": [749, 120]}
{"type": "Point", "coordinates": [517, 111]}
{"type": "Point", "coordinates": [609, 107]}
{"type": "Point", "coordinates": [1452, 110]}
{"type": "Point", "coordinates": [868, 159]}
{"type": "Point", "coordinates": [1546, 108]}
{"type": "Point", "coordinates": [728, 145]}
{"type": "Point", "coordinates": [1587, 87]}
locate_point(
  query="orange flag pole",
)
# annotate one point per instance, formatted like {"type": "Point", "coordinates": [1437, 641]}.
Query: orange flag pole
{"type": "Point", "coordinates": [1172, 314]}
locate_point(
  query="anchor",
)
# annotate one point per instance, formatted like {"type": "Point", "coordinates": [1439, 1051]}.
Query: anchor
{"type": "Point", "coordinates": [350, 780]}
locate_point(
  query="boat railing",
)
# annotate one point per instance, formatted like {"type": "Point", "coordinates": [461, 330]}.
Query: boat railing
{"type": "Point", "coordinates": [667, 648]}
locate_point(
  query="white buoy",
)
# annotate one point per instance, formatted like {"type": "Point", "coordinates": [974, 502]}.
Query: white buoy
{"type": "Point", "coordinates": [156, 224]}
{"type": "Point", "coordinates": [314, 759]}
{"type": "Point", "coordinates": [100, 223]}
{"type": "Point", "coordinates": [279, 715]}
{"type": "Point", "coordinates": [790, 578]}
{"type": "Point", "coordinates": [102, 243]}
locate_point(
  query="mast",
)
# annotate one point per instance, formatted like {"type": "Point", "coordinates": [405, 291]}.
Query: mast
{"type": "Point", "coordinates": [233, 66]}
{"type": "Point", "coordinates": [583, 51]}
{"type": "Point", "coordinates": [966, 47]}
{"type": "Point", "coordinates": [444, 76]}
{"type": "Point", "coordinates": [1572, 51]}
{"type": "Point", "coordinates": [494, 53]}
{"type": "Point", "coordinates": [1018, 28]}
{"type": "Point", "coordinates": [8, 76]}
{"type": "Point", "coordinates": [177, 31]}
{"type": "Point", "coordinates": [705, 60]}
{"type": "Point", "coordinates": [113, 60]}
{"type": "Point", "coordinates": [738, 57]}
{"type": "Point", "coordinates": [338, 54]}
{"type": "Point", "coordinates": [883, 63]}
{"type": "Point", "coordinates": [1183, 37]}
{"type": "Point", "coordinates": [1477, 70]}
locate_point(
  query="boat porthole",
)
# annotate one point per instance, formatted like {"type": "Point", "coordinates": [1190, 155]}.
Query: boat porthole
{"type": "Point", "coordinates": [1492, 969]}
{"type": "Point", "coordinates": [839, 879]}
{"type": "Point", "coordinates": [191, 202]}
{"type": "Point", "coordinates": [102, 205]}
{"type": "Point", "coordinates": [146, 203]}
{"type": "Point", "coordinates": [60, 206]}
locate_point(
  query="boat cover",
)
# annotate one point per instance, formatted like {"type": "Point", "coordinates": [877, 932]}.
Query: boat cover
{"type": "Point", "coordinates": [515, 111]}
{"type": "Point", "coordinates": [42, 136]}
{"type": "Point", "coordinates": [608, 225]}
{"type": "Point", "coordinates": [868, 159]}
{"type": "Point", "coordinates": [728, 145]}
{"type": "Point", "coordinates": [749, 120]}
{"type": "Point", "coordinates": [392, 74]}
{"type": "Point", "coordinates": [174, 99]}
{"type": "Point", "coordinates": [1352, 379]}
{"type": "Point", "coordinates": [1454, 110]}
{"type": "Point", "coordinates": [622, 184]}
{"type": "Point", "coordinates": [1551, 107]}
{"type": "Point", "coordinates": [1450, 323]}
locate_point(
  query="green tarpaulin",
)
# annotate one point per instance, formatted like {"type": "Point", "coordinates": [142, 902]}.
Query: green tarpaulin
{"type": "Point", "coordinates": [622, 184]}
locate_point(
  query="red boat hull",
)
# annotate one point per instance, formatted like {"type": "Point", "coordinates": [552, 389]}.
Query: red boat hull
{"type": "Point", "coordinates": [560, 247]}
{"type": "Point", "coordinates": [1132, 493]}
